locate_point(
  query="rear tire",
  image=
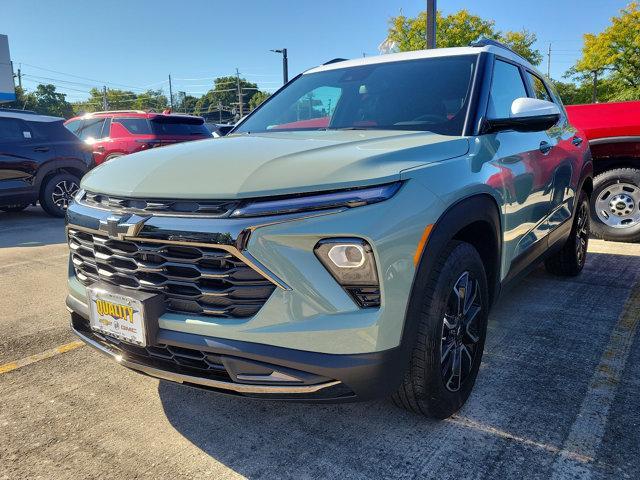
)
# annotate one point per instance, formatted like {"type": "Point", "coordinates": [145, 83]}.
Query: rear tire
{"type": "Point", "coordinates": [57, 192]}
{"type": "Point", "coordinates": [615, 205]}
{"type": "Point", "coordinates": [569, 261]}
{"type": "Point", "coordinates": [452, 328]}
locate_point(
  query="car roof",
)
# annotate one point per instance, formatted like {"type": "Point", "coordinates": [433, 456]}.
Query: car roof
{"type": "Point", "coordinates": [30, 117]}
{"type": "Point", "coordinates": [419, 54]}
{"type": "Point", "coordinates": [130, 114]}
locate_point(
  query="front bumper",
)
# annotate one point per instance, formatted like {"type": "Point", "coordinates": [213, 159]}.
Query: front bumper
{"type": "Point", "coordinates": [252, 370]}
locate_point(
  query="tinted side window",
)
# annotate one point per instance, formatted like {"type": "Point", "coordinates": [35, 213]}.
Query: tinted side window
{"type": "Point", "coordinates": [51, 131]}
{"type": "Point", "coordinates": [507, 85]}
{"type": "Point", "coordinates": [13, 130]}
{"type": "Point", "coordinates": [539, 88]}
{"type": "Point", "coordinates": [74, 126]}
{"type": "Point", "coordinates": [92, 128]}
{"type": "Point", "coordinates": [136, 126]}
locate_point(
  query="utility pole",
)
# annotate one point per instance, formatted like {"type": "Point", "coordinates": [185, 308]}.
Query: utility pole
{"type": "Point", "coordinates": [285, 64]}
{"type": "Point", "coordinates": [549, 62]}
{"type": "Point", "coordinates": [19, 78]}
{"type": "Point", "coordinates": [105, 104]}
{"type": "Point", "coordinates": [170, 94]}
{"type": "Point", "coordinates": [431, 24]}
{"type": "Point", "coordinates": [594, 99]}
{"type": "Point", "coordinates": [239, 93]}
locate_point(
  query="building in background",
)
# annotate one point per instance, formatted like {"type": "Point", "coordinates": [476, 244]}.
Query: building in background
{"type": "Point", "coordinates": [7, 87]}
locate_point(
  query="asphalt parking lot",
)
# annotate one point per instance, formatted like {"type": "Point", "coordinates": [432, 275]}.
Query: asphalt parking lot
{"type": "Point", "coordinates": [557, 395]}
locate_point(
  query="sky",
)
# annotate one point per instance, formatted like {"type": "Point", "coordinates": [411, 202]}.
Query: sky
{"type": "Point", "coordinates": [136, 44]}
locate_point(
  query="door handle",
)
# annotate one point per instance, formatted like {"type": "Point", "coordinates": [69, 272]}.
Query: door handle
{"type": "Point", "coordinates": [100, 148]}
{"type": "Point", "coordinates": [41, 149]}
{"type": "Point", "coordinates": [577, 141]}
{"type": "Point", "coordinates": [545, 147]}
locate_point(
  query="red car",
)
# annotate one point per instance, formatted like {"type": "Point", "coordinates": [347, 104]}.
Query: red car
{"type": "Point", "coordinates": [613, 131]}
{"type": "Point", "coordinates": [117, 133]}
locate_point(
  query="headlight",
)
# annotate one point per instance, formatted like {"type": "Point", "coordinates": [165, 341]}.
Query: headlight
{"type": "Point", "coordinates": [352, 264]}
{"type": "Point", "coordinates": [320, 201]}
{"type": "Point", "coordinates": [79, 195]}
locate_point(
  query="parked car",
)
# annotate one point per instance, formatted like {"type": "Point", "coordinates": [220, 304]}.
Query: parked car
{"type": "Point", "coordinates": [39, 161]}
{"type": "Point", "coordinates": [219, 129]}
{"type": "Point", "coordinates": [613, 131]}
{"type": "Point", "coordinates": [349, 261]}
{"type": "Point", "coordinates": [117, 133]}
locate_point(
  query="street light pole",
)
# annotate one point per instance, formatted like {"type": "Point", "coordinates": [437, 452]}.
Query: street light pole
{"type": "Point", "coordinates": [285, 64]}
{"type": "Point", "coordinates": [431, 23]}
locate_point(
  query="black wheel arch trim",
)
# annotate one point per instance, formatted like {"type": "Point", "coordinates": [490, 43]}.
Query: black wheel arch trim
{"type": "Point", "coordinates": [479, 207]}
{"type": "Point", "coordinates": [58, 166]}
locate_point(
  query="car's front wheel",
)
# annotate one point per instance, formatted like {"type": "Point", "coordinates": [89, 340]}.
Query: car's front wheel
{"type": "Point", "coordinates": [448, 349]}
{"type": "Point", "coordinates": [57, 193]}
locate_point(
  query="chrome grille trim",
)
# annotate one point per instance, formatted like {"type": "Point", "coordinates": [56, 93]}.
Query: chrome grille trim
{"type": "Point", "coordinates": [174, 208]}
{"type": "Point", "coordinates": [201, 280]}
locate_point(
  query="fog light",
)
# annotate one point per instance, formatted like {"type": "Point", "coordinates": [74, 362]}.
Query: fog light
{"type": "Point", "coordinates": [347, 256]}
{"type": "Point", "coordinates": [352, 264]}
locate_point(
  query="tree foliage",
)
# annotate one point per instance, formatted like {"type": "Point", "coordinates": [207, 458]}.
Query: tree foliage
{"type": "Point", "coordinates": [614, 56]}
{"type": "Point", "coordinates": [122, 100]}
{"type": "Point", "coordinates": [457, 30]}
{"type": "Point", "coordinates": [224, 94]}
{"type": "Point", "coordinates": [43, 100]}
{"type": "Point", "coordinates": [257, 99]}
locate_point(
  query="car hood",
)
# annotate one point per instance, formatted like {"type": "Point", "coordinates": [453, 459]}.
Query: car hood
{"type": "Point", "coordinates": [243, 166]}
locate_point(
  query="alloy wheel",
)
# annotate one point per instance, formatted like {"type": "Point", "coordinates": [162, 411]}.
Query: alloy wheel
{"type": "Point", "coordinates": [618, 205]}
{"type": "Point", "coordinates": [63, 193]}
{"type": "Point", "coordinates": [582, 233]}
{"type": "Point", "coordinates": [460, 332]}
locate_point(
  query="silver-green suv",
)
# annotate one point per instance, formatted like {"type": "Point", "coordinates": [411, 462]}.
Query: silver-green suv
{"type": "Point", "coordinates": [345, 241]}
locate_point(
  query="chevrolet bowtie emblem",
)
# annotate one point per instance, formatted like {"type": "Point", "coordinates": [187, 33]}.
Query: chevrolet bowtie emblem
{"type": "Point", "coordinates": [121, 226]}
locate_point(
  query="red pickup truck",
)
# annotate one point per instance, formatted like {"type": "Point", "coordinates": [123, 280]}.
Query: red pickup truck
{"type": "Point", "coordinates": [613, 131]}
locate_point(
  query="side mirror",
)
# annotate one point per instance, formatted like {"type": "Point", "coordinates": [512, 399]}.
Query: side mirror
{"type": "Point", "coordinates": [527, 115]}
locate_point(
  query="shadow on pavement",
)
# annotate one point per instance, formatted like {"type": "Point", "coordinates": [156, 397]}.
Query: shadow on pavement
{"type": "Point", "coordinates": [545, 341]}
{"type": "Point", "coordinates": [30, 228]}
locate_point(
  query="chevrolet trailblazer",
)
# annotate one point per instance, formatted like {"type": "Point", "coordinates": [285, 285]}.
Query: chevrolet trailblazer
{"type": "Point", "coordinates": [345, 241]}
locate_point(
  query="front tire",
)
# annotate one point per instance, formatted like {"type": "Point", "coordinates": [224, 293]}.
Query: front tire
{"type": "Point", "coordinates": [452, 329]}
{"type": "Point", "coordinates": [615, 205]}
{"type": "Point", "coordinates": [57, 193]}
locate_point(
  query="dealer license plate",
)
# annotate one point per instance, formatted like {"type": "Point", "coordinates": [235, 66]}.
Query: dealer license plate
{"type": "Point", "coordinates": [117, 315]}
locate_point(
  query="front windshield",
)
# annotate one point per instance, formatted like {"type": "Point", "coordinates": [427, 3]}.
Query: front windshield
{"type": "Point", "coordinates": [430, 94]}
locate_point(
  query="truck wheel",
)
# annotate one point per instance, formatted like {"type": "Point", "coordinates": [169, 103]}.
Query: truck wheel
{"type": "Point", "coordinates": [57, 193]}
{"type": "Point", "coordinates": [615, 205]}
{"type": "Point", "coordinates": [453, 323]}
{"type": "Point", "coordinates": [569, 261]}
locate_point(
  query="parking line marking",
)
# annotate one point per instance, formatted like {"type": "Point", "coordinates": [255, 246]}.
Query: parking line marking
{"type": "Point", "coordinates": [23, 362]}
{"type": "Point", "coordinates": [589, 426]}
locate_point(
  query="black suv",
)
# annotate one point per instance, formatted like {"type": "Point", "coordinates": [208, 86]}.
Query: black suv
{"type": "Point", "coordinates": [40, 160]}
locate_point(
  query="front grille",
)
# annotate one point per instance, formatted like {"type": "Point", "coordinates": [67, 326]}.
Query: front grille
{"type": "Point", "coordinates": [187, 361]}
{"type": "Point", "coordinates": [209, 208]}
{"type": "Point", "coordinates": [194, 280]}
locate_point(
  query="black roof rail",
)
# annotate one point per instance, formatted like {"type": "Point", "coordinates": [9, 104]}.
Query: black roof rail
{"type": "Point", "coordinates": [335, 60]}
{"type": "Point", "coordinates": [17, 110]}
{"type": "Point", "coordinates": [486, 42]}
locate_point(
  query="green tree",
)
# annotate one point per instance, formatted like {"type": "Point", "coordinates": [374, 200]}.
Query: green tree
{"type": "Point", "coordinates": [225, 93]}
{"type": "Point", "coordinates": [257, 99]}
{"type": "Point", "coordinates": [150, 100]}
{"type": "Point", "coordinates": [614, 56]}
{"type": "Point", "coordinates": [22, 102]}
{"type": "Point", "coordinates": [457, 30]}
